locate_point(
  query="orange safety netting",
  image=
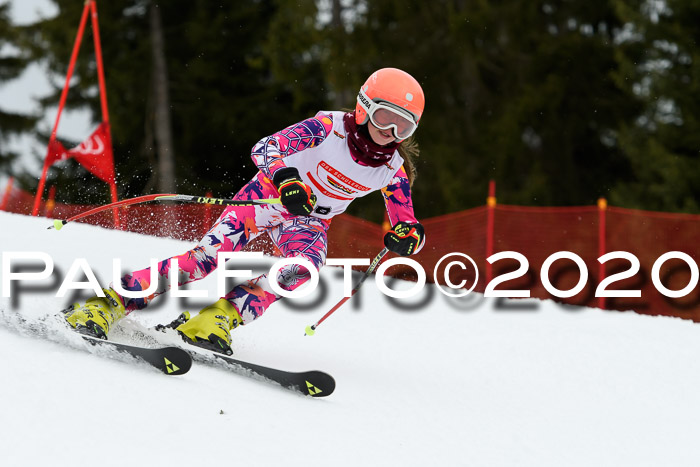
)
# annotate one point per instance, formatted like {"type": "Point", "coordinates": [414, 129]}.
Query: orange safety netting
{"type": "Point", "coordinates": [649, 235]}
{"type": "Point", "coordinates": [535, 232]}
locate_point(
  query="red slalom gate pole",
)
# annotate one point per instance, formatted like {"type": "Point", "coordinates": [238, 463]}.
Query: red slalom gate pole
{"type": "Point", "coordinates": [311, 330]}
{"type": "Point", "coordinates": [100, 66]}
{"type": "Point", "coordinates": [103, 105]}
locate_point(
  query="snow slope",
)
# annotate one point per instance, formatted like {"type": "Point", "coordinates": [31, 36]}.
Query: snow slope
{"type": "Point", "coordinates": [454, 383]}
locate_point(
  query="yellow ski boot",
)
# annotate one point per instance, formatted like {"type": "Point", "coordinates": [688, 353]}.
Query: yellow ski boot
{"type": "Point", "coordinates": [211, 328]}
{"type": "Point", "coordinates": [95, 317]}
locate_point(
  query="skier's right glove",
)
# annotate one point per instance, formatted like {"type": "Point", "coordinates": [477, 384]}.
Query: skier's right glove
{"type": "Point", "coordinates": [295, 195]}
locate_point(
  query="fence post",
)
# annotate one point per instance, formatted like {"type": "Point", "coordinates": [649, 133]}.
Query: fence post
{"type": "Point", "coordinates": [490, 212]}
{"type": "Point", "coordinates": [6, 195]}
{"type": "Point", "coordinates": [207, 214]}
{"type": "Point", "coordinates": [50, 203]}
{"type": "Point", "coordinates": [602, 208]}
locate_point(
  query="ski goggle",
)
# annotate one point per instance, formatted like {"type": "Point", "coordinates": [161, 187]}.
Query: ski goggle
{"type": "Point", "coordinates": [385, 116]}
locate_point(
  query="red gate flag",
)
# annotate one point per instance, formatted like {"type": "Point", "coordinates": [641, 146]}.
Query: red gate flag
{"type": "Point", "coordinates": [95, 154]}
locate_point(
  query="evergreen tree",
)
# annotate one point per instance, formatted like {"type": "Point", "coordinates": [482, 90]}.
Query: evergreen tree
{"type": "Point", "coordinates": [661, 70]}
{"type": "Point", "coordinates": [520, 91]}
{"type": "Point", "coordinates": [560, 108]}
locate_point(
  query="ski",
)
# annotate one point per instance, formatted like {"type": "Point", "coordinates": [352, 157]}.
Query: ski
{"type": "Point", "coordinates": [308, 383]}
{"type": "Point", "coordinates": [169, 360]}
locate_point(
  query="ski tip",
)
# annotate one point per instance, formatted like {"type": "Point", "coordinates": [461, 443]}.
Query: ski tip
{"type": "Point", "coordinates": [309, 331]}
{"type": "Point", "coordinates": [179, 363]}
{"type": "Point", "coordinates": [318, 384]}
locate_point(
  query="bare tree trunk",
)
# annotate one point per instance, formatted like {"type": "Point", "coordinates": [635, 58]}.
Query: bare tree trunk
{"type": "Point", "coordinates": [343, 97]}
{"type": "Point", "coordinates": [336, 17]}
{"type": "Point", "coordinates": [163, 131]}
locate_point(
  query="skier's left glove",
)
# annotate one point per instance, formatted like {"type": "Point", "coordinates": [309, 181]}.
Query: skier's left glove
{"type": "Point", "coordinates": [295, 195]}
{"type": "Point", "coordinates": [404, 238]}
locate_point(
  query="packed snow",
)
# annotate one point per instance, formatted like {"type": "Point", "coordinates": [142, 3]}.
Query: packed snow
{"type": "Point", "coordinates": [449, 382]}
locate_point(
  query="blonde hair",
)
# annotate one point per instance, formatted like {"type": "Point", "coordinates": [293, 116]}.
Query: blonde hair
{"type": "Point", "coordinates": [409, 150]}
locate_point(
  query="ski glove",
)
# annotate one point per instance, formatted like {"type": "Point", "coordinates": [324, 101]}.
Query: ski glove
{"type": "Point", "coordinates": [404, 238]}
{"type": "Point", "coordinates": [295, 195]}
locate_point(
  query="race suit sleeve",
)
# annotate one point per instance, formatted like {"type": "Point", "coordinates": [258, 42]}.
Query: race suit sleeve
{"type": "Point", "coordinates": [397, 198]}
{"type": "Point", "coordinates": [269, 153]}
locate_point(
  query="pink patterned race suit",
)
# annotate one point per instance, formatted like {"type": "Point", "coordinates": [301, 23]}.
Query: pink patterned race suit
{"type": "Point", "coordinates": [317, 148]}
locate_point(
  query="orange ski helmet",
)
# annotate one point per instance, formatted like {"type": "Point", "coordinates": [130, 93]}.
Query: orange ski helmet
{"type": "Point", "coordinates": [392, 87]}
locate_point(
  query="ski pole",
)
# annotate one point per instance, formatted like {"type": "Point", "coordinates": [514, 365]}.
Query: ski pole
{"type": "Point", "coordinates": [311, 330]}
{"type": "Point", "coordinates": [58, 223]}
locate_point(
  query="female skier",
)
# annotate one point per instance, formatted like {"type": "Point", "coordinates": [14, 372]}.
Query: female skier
{"type": "Point", "coordinates": [317, 168]}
